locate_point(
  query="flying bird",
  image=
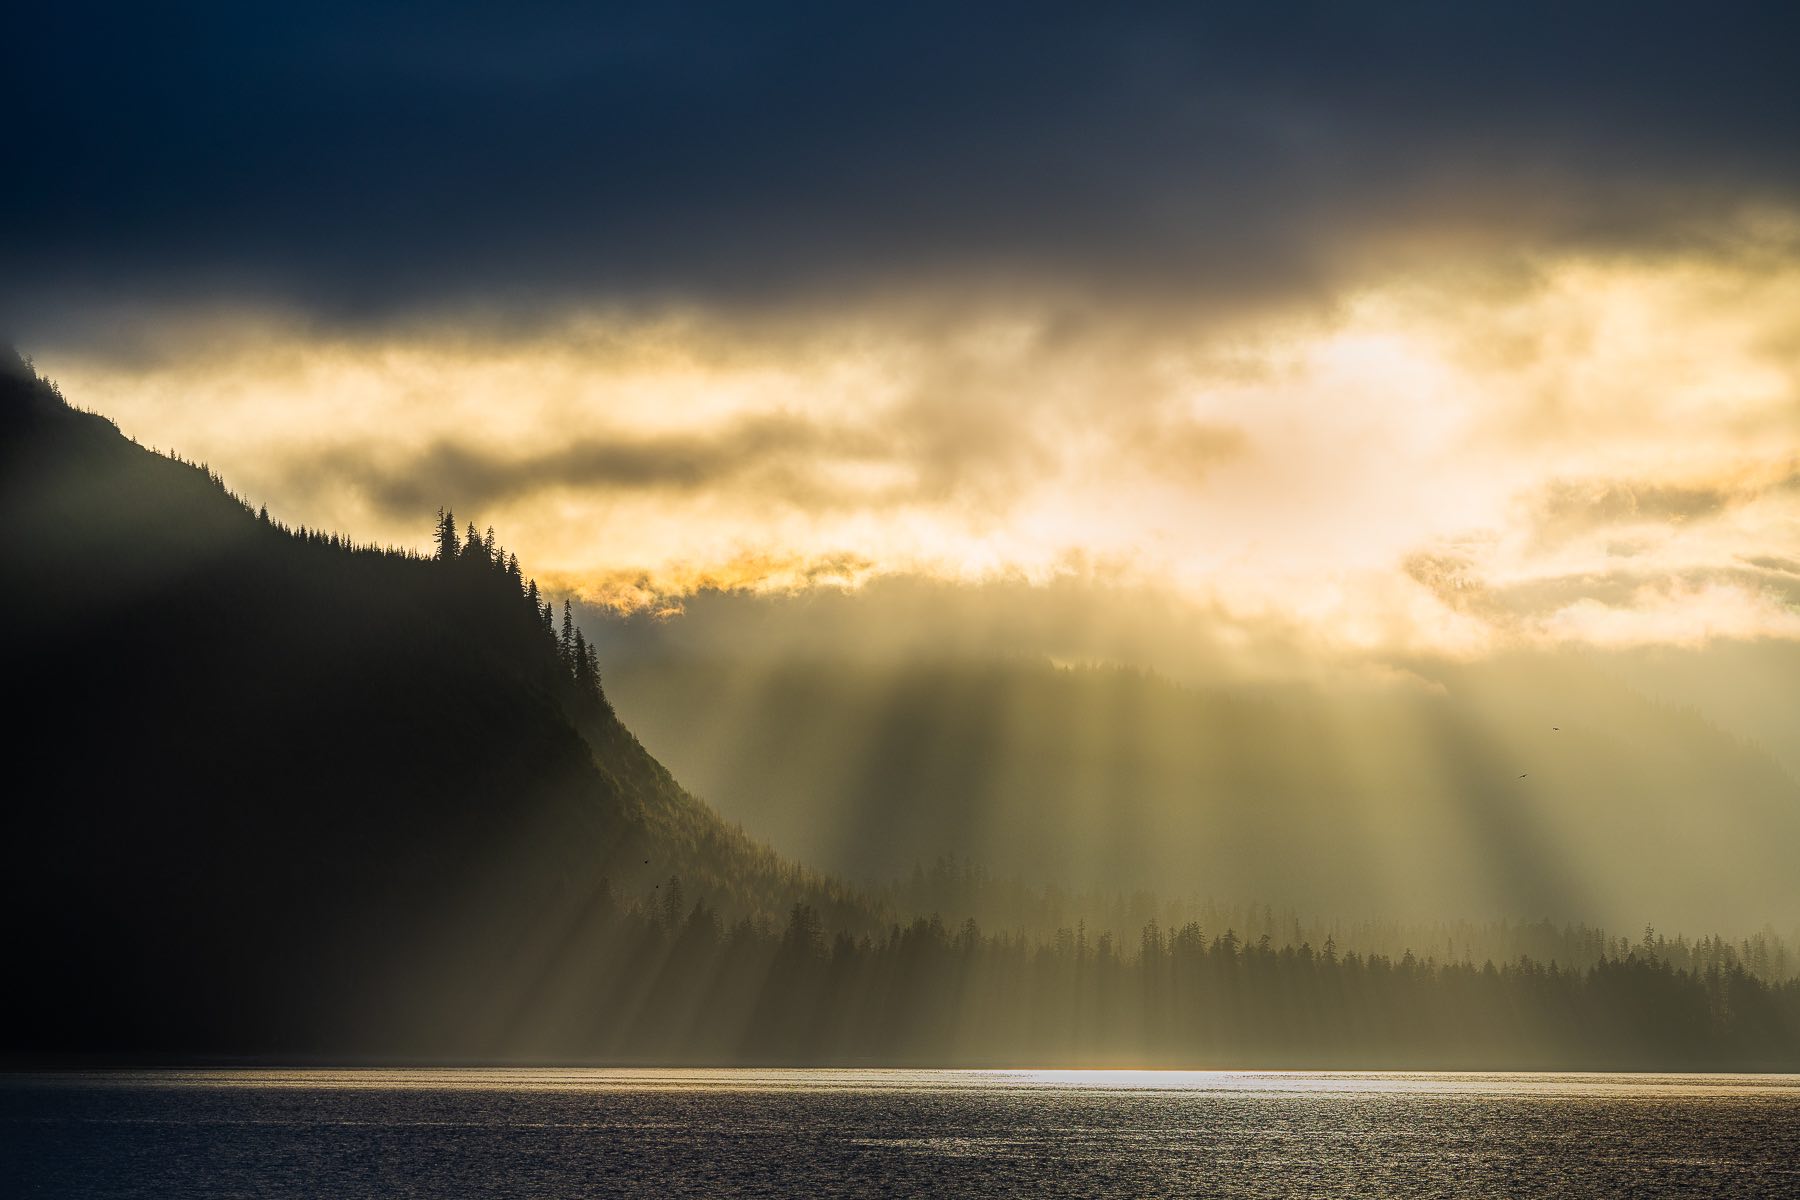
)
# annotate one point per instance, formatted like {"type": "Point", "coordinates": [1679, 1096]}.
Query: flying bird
{"type": "Point", "coordinates": [1523, 776]}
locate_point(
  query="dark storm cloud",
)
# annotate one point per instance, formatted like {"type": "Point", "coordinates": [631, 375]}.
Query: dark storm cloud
{"type": "Point", "coordinates": [776, 457]}
{"type": "Point", "coordinates": [355, 159]}
{"type": "Point", "coordinates": [929, 455]}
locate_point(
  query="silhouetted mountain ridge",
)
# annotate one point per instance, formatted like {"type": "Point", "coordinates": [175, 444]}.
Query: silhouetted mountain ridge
{"type": "Point", "coordinates": [272, 791]}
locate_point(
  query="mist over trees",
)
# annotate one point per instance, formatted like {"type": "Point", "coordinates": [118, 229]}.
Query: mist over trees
{"type": "Point", "coordinates": [694, 988]}
{"type": "Point", "coordinates": [958, 890]}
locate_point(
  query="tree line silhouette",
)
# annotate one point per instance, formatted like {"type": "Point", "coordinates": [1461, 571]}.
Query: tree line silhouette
{"type": "Point", "coordinates": [478, 558]}
{"type": "Point", "coordinates": [479, 552]}
{"type": "Point", "coordinates": [958, 888]}
{"type": "Point", "coordinates": [680, 984]}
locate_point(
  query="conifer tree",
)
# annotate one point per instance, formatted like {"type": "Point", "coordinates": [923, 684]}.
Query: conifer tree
{"type": "Point", "coordinates": [584, 682]}
{"type": "Point", "coordinates": [447, 546]}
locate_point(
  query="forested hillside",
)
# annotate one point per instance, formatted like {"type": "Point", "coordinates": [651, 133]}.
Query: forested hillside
{"type": "Point", "coordinates": [269, 789]}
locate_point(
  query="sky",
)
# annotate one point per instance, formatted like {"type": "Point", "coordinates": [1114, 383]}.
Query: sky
{"type": "Point", "coordinates": [1367, 330]}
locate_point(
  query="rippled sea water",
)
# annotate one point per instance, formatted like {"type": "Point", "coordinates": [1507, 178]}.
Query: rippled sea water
{"type": "Point", "coordinates": [574, 1133]}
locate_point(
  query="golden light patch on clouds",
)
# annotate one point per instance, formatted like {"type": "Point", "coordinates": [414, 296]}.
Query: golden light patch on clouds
{"type": "Point", "coordinates": [1592, 450]}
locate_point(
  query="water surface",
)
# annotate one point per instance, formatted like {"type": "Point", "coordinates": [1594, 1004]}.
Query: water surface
{"type": "Point", "coordinates": [575, 1133]}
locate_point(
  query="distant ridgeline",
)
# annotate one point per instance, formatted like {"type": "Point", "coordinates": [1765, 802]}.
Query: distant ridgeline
{"type": "Point", "coordinates": [272, 793]}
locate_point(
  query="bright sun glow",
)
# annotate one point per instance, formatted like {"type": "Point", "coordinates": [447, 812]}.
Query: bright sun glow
{"type": "Point", "coordinates": [1603, 453]}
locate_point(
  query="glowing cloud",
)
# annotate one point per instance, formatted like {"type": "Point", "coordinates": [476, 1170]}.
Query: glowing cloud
{"type": "Point", "coordinates": [1583, 448]}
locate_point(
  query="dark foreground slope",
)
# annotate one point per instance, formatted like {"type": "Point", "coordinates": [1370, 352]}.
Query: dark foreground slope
{"type": "Point", "coordinates": [267, 793]}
